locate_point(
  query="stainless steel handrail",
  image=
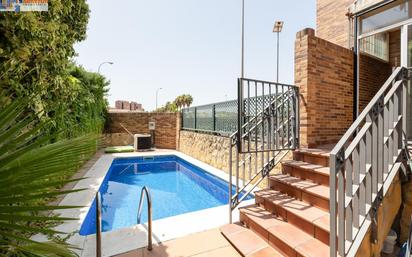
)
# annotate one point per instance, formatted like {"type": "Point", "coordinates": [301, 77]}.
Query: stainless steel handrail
{"type": "Point", "coordinates": [98, 225]}
{"type": "Point", "coordinates": [149, 214]}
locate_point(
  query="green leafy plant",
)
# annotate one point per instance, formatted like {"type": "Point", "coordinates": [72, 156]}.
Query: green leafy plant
{"type": "Point", "coordinates": [32, 170]}
{"type": "Point", "coordinates": [36, 58]}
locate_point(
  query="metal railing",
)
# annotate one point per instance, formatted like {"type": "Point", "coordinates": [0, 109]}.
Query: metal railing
{"type": "Point", "coordinates": [219, 118]}
{"type": "Point", "coordinates": [98, 225]}
{"type": "Point", "coordinates": [408, 152]}
{"type": "Point", "coordinates": [145, 191]}
{"type": "Point", "coordinates": [139, 214]}
{"type": "Point", "coordinates": [364, 163]}
{"type": "Point", "coordinates": [267, 130]}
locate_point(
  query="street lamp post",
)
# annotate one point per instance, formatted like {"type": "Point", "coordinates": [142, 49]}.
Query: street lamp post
{"type": "Point", "coordinates": [242, 66]}
{"type": "Point", "coordinates": [157, 95]}
{"type": "Point", "coordinates": [277, 29]}
{"type": "Point", "coordinates": [98, 70]}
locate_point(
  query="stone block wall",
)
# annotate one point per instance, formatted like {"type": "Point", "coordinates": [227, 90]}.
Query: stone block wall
{"type": "Point", "coordinates": [214, 150]}
{"type": "Point", "coordinates": [331, 21]}
{"type": "Point", "coordinates": [211, 149]}
{"type": "Point", "coordinates": [324, 75]}
{"type": "Point", "coordinates": [166, 132]}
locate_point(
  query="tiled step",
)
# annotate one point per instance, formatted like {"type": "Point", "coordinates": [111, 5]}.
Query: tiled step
{"type": "Point", "coordinates": [304, 170]}
{"type": "Point", "coordinates": [248, 243]}
{"type": "Point", "coordinates": [304, 190]}
{"type": "Point", "coordinates": [287, 238]}
{"type": "Point", "coordinates": [301, 214]}
{"type": "Point", "coordinates": [314, 156]}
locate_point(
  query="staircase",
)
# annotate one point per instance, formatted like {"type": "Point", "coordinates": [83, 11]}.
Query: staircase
{"type": "Point", "coordinates": [291, 217]}
{"type": "Point", "coordinates": [320, 192]}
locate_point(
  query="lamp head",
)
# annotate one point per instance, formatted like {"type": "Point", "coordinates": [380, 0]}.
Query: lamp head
{"type": "Point", "coordinates": [278, 26]}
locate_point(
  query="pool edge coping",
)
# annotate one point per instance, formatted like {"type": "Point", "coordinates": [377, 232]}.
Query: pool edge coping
{"type": "Point", "coordinates": [130, 238]}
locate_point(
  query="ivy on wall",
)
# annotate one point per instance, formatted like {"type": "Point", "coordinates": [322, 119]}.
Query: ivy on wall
{"type": "Point", "coordinates": [36, 53]}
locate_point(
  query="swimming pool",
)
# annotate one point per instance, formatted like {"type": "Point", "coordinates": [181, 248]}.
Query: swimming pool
{"type": "Point", "coordinates": [176, 186]}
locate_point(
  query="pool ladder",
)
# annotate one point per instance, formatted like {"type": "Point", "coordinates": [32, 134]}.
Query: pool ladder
{"type": "Point", "coordinates": [145, 191]}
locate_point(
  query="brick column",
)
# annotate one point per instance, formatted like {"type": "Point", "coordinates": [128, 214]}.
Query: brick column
{"type": "Point", "coordinates": [324, 74]}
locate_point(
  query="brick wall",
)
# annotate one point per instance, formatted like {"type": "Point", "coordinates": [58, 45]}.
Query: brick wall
{"type": "Point", "coordinates": [395, 48]}
{"type": "Point", "coordinates": [331, 21]}
{"type": "Point", "coordinates": [324, 74]}
{"type": "Point", "coordinates": [372, 74]}
{"type": "Point", "coordinates": [166, 133]}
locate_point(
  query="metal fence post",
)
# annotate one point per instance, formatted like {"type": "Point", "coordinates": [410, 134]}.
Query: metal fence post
{"type": "Point", "coordinates": [297, 118]}
{"type": "Point", "coordinates": [98, 225]}
{"type": "Point", "coordinates": [182, 124]}
{"type": "Point", "coordinates": [214, 117]}
{"type": "Point", "coordinates": [239, 114]}
{"type": "Point", "coordinates": [195, 117]}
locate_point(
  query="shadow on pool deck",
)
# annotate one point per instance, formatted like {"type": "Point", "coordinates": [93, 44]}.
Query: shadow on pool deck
{"type": "Point", "coordinates": [210, 243]}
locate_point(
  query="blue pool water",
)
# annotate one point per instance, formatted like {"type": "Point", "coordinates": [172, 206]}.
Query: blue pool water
{"type": "Point", "coordinates": [176, 187]}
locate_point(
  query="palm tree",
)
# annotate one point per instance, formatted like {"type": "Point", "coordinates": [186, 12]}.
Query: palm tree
{"type": "Point", "coordinates": [179, 102]}
{"type": "Point", "coordinates": [31, 172]}
{"type": "Point", "coordinates": [189, 100]}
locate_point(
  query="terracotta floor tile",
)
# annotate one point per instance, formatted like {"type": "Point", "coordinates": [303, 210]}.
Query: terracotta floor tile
{"type": "Point", "coordinates": [227, 251]}
{"type": "Point", "coordinates": [299, 208]}
{"type": "Point", "coordinates": [161, 251]}
{"type": "Point", "coordinates": [323, 170]}
{"type": "Point", "coordinates": [302, 165]}
{"type": "Point", "coordinates": [313, 248]}
{"type": "Point", "coordinates": [290, 234]}
{"type": "Point", "coordinates": [304, 210]}
{"type": "Point", "coordinates": [304, 185]}
{"type": "Point", "coordinates": [247, 242]}
{"type": "Point", "coordinates": [323, 222]}
{"type": "Point", "coordinates": [197, 243]}
{"type": "Point", "coordinates": [190, 245]}
{"type": "Point", "coordinates": [319, 190]}
{"type": "Point", "coordinates": [134, 253]}
{"type": "Point", "coordinates": [262, 217]}
{"type": "Point", "coordinates": [231, 228]}
{"type": "Point", "coordinates": [265, 252]}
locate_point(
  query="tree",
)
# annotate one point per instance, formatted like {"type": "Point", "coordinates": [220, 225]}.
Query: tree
{"type": "Point", "coordinates": [44, 99]}
{"type": "Point", "coordinates": [189, 100]}
{"type": "Point", "coordinates": [31, 172]}
{"type": "Point", "coordinates": [35, 57]}
{"type": "Point", "coordinates": [179, 102]}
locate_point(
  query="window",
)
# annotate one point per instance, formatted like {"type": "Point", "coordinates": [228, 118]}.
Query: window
{"type": "Point", "coordinates": [376, 46]}
{"type": "Point", "coordinates": [388, 15]}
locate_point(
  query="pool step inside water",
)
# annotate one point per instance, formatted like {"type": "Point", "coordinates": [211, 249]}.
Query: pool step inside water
{"type": "Point", "coordinates": [291, 217]}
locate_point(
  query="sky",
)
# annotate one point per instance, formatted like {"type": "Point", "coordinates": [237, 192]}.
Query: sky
{"type": "Point", "coordinates": [189, 46]}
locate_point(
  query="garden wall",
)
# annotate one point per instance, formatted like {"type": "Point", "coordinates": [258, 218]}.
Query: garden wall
{"type": "Point", "coordinates": [166, 132]}
{"type": "Point", "coordinates": [211, 149]}
{"type": "Point", "coordinates": [214, 150]}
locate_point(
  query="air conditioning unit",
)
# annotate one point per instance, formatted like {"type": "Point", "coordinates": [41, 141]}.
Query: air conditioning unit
{"type": "Point", "coordinates": [142, 142]}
